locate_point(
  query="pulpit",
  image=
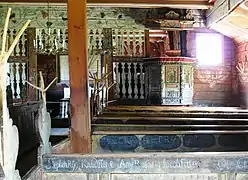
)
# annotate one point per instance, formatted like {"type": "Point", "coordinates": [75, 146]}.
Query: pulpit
{"type": "Point", "coordinates": [169, 80]}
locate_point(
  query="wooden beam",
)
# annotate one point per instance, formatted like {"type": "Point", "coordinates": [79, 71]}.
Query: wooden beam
{"type": "Point", "coordinates": [188, 4]}
{"type": "Point", "coordinates": [78, 66]}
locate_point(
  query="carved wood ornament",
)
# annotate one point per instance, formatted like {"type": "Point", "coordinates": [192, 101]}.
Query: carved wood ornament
{"type": "Point", "coordinates": [241, 67]}
{"type": "Point", "coordinates": [9, 133]}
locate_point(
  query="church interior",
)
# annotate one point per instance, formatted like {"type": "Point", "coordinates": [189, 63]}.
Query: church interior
{"type": "Point", "coordinates": [128, 85]}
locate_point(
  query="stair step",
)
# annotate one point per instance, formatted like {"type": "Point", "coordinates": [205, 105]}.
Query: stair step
{"type": "Point", "coordinates": [126, 118]}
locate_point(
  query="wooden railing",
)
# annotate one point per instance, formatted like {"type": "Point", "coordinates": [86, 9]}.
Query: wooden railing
{"type": "Point", "coordinates": [17, 76]}
{"type": "Point", "coordinates": [129, 76]}
{"type": "Point", "coordinates": [128, 42]}
{"type": "Point", "coordinates": [59, 109]}
{"type": "Point", "coordinates": [17, 65]}
{"type": "Point", "coordinates": [21, 47]}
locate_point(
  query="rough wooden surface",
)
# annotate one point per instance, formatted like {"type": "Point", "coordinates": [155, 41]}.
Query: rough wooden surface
{"type": "Point", "coordinates": [80, 117]}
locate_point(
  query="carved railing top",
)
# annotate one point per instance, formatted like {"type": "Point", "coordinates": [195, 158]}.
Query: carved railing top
{"type": "Point", "coordinates": [148, 163]}
{"type": "Point", "coordinates": [34, 105]}
{"type": "Point", "coordinates": [127, 59]}
{"type": "Point", "coordinates": [19, 59]}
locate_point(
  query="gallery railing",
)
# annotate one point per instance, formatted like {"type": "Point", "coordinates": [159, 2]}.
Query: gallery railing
{"type": "Point", "coordinates": [17, 76]}
{"type": "Point", "coordinates": [129, 76]}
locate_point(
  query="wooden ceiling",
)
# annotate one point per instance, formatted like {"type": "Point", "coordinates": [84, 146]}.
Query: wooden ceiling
{"type": "Point", "coordinates": [235, 23]}
{"type": "Point", "coordinates": [186, 4]}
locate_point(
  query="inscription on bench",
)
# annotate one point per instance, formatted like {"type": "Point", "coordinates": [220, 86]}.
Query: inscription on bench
{"type": "Point", "coordinates": [160, 142]}
{"type": "Point", "coordinates": [119, 142]}
{"type": "Point", "coordinates": [147, 164]}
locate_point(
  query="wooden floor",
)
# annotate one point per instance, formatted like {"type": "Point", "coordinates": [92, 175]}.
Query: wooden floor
{"type": "Point", "coordinates": [174, 108]}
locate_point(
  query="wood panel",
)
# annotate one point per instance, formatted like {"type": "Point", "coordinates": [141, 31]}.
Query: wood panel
{"type": "Point", "coordinates": [48, 65]}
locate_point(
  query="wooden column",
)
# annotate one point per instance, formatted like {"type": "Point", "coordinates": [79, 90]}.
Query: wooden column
{"type": "Point", "coordinates": [78, 66]}
{"type": "Point", "coordinates": [108, 47]}
{"type": "Point", "coordinates": [147, 44]}
{"type": "Point", "coordinates": [32, 65]}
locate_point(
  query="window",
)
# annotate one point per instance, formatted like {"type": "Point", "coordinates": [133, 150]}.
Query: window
{"type": "Point", "coordinates": [209, 49]}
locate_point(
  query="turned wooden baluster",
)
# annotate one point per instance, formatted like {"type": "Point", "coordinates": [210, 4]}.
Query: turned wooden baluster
{"type": "Point", "coordinates": [129, 81]}
{"type": "Point", "coordinates": [123, 80]}
{"type": "Point", "coordinates": [141, 82]}
{"type": "Point", "coordinates": [118, 74]}
{"type": "Point", "coordinates": [135, 81]}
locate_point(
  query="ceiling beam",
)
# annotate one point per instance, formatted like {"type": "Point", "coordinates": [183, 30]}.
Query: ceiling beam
{"type": "Point", "coordinates": [190, 4]}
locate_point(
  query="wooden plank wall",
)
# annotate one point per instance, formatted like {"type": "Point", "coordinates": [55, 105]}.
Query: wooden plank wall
{"type": "Point", "coordinates": [215, 88]}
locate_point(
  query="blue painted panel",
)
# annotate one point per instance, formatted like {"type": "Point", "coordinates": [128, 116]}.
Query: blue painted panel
{"type": "Point", "coordinates": [160, 142]}
{"type": "Point", "coordinates": [119, 142]}
{"type": "Point", "coordinates": [233, 140]}
{"type": "Point", "coordinates": [199, 141]}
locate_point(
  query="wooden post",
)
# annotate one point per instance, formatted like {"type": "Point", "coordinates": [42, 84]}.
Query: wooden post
{"type": "Point", "coordinates": [183, 40]}
{"type": "Point", "coordinates": [147, 44]}
{"type": "Point", "coordinates": [32, 64]}
{"type": "Point", "coordinates": [108, 48]}
{"type": "Point", "coordinates": [78, 67]}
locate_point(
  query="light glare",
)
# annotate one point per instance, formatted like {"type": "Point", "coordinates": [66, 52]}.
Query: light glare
{"type": "Point", "coordinates": [209, 49]}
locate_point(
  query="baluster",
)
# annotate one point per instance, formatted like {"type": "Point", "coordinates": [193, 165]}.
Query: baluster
{"type": "Point", "coordinates": [128, 44]}
{"type": "Point", "coordinates": [129, 80]}
{"type": "Point", "coordinates": [123, 74]}
{"type": "Point", "coordinates": [63, 109]}
{"type": "Point", "coordinates": [95, 40]}
{"type": "Point", "coordinates": [24, 42]}
{"type": "Point", "coordinates": [120, 48]}
{"type": "Point", "coordinates": [58, 39]}
{"type": "Point", "coordinates": [100, 36]}
{"type": "Point", "coordinates": [23, 80]}
{"type": "Point", "coordinates": [37, 41]}
{"type": "Point", "coordinates": [66, 109]}
{"type": "Point", "coordinates": [118, 74]}
{"type": "Point", "coordinates": [20, 45]}
{"type": "Point", "coordinates": [8, 43]}
{"type": "Point", "coordinates": [121, 41]}
{"type": "Point", "coordinates": [66, 38]}
{"type": "Point", "coordinates": [23, 73]}
{"type": "Point", "coordinates": [12, 78]}
{"type": "Point", "coordinates": [8, 72]}
{"type": "Point", "coordinates": [134, 50]}
{"type": "Point", "coordinates": [135, 81]}
{"type": "Point", "coordinates": [141, 82]}
{"type": "Point", "coordinates": [18, 91]}
{"type": "Point", "coordinates": [11, 39]}
{"type": "Point", "coordinates": [17, 48]}
{"type": "Point", "coordinates": [114, 42]}
{"type": "Point", "coordinates": [140, 43]}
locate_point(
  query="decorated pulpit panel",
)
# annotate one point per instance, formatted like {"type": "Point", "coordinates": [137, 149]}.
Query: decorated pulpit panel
{"type": "Point", "coordinates": [170, 80]}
